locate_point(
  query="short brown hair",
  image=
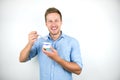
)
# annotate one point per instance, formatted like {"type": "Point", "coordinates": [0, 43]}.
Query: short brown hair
{"type": "Point", "coordinates": [52, 10]}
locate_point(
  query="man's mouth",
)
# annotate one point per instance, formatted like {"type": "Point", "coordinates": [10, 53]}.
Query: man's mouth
{"type": "Point", "coordinates": [53, 28]}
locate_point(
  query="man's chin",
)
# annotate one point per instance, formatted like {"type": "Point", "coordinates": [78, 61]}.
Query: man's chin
{"type": "Point", "coordinates": [53, 33]}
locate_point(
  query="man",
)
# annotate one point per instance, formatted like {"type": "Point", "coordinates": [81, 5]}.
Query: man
{"type": "Point", "coordinates": [64, 57]}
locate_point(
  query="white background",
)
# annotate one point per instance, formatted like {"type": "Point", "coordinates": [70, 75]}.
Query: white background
{"type": "Point", "coordinates": [94, 23]}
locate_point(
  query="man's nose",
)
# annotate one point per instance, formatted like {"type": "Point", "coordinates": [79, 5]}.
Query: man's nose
{"type": "Point", "coordinates": [53, 23]}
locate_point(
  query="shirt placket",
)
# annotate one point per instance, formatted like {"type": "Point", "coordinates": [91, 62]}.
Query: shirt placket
{"type": "Point", "coordinates": [53, 62]}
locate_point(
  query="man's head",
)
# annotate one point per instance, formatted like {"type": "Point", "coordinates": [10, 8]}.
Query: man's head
{"type": "Point", "coordinates": [53, 19]}
{"type": "Point", "coordinates": [52, 10]}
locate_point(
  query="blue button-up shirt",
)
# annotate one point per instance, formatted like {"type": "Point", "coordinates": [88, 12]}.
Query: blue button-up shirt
{"type": "Point", "coordinates": [67, 48]}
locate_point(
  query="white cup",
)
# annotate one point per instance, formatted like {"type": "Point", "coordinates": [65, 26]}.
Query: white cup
{"type": "Point", "coordinates": [46, 45]}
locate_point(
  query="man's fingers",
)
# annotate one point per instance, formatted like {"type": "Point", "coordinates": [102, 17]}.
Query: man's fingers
{"type": "Point", "coordinates": [33, 32]}
{"type": "Point", "coordinates": [33, 35]}
{"type": "Point", "coordinates": [45, 51]}
{"type": "Point", "coordinates": [52, 49]}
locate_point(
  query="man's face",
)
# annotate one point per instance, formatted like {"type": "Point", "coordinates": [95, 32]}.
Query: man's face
{"type": "Point", "coordinates": [53, 23]}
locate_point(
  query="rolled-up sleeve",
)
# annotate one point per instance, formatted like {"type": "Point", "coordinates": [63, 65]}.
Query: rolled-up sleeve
{"type": "Point", "coordinates": [76, 53]}
{"type": "Point", "coordinates": [33, 51]}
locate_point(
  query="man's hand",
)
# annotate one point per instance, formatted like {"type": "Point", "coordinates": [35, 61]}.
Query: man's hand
{"type": "Point", "coordinates": [32, 37]}
{"type": "Point", "coordinates": [52, 54]}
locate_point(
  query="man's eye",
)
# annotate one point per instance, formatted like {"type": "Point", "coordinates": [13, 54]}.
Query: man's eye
{"type": "Point", "coordinates": [49, 21]}
{"type": "Point", "coordinates": [56, 20]}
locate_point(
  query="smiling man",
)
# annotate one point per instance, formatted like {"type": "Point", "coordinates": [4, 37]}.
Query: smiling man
{"type": "Point", "coordinates": [64, 57]}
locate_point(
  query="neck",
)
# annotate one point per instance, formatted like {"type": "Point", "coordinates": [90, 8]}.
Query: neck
{"type": "Point", "coordinates": [55, 36]}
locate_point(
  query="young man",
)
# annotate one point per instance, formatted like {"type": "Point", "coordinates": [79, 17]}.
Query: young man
{"type": "Point", "coordinates": [64, 57]}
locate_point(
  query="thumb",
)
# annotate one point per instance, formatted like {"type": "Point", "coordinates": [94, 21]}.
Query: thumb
{"type": "Point", "coordinates": [52, 49]}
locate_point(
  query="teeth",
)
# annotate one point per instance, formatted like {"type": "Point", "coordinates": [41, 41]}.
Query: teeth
{"type": "Point", "coordinates": [53, 28]}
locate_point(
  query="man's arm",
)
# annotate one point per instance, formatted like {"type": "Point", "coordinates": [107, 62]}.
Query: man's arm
{"type": "Point", "coordinates": [69, 66]}
{"type": "Point", "coordinates": [25, 53]}
{"type": "Point", "coordinates": [32, 37]}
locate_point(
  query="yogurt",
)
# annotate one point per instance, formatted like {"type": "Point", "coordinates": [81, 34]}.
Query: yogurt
{"type": "Point", "coordinates": [46, 45]}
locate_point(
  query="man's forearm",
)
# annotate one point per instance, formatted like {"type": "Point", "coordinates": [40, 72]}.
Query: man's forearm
{"type": "Point", "coordinates": [25, 53]}
{"type": "Point", "coordinates": [70, 66]}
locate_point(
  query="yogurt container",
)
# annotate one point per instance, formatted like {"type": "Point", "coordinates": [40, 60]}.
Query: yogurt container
{"type": "Point", "coordinates": [46, 46]}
